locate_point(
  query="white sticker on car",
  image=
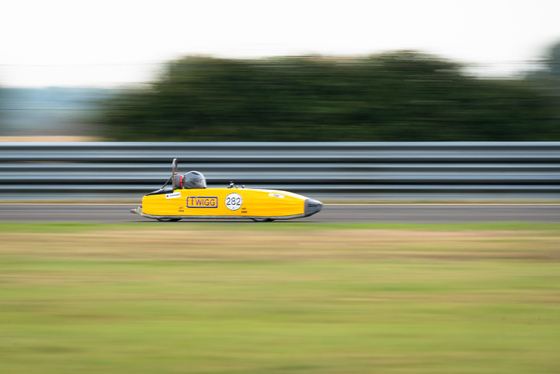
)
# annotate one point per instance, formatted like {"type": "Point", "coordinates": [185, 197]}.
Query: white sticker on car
{"type": "Point", "coordinates": [234, 201]}
{"type": "Point", "coordinates": [173, 195]}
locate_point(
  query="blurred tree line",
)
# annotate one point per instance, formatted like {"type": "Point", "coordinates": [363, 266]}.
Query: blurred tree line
{"type": "Point", "coordinates": [399, 96]}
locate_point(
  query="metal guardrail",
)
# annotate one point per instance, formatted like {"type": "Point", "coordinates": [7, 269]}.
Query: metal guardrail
{"type": "Point", "coordinates": [356, 170]}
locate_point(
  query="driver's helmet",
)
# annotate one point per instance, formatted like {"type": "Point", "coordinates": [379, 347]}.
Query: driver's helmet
{"type": "Point", "coordinates": [193, 179]}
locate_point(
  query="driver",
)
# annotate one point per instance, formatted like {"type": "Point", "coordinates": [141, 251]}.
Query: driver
{"type": "Point", "coordinates": [194, 180]}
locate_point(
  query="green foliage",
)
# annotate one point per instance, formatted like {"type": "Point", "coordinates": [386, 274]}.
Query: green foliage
{"type": "Point", "coordinates": [547, 79]}
{"type": "Point", "coordinates": [400, 96]}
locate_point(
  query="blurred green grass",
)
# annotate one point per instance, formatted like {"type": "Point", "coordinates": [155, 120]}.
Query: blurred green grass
{"type": "Point", "coordinates": [216, 298]}
{"type": "Point", "coordinates": [59, 227]}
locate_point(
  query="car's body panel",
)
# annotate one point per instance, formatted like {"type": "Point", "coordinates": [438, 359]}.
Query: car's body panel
{"type": "Point", "coordinates": [224, 203]}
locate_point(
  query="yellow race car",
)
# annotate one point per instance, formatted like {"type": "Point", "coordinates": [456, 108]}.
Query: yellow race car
{"type": "Point", "coordinates": [188, 198]}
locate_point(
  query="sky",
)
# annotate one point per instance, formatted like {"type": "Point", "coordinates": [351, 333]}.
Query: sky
{"type": "Point", "coordinates": [106, 43]}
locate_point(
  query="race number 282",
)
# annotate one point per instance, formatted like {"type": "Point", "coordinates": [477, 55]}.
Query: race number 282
{"type": "Point", "coordinates": [234, 201]}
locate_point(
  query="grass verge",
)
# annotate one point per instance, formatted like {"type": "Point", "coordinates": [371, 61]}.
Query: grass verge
{"type": "Point", "coordinates": [280, 298]}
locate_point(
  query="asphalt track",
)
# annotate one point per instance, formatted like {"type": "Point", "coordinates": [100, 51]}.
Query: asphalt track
{"type": "Point", "coordinates": [343, 213]}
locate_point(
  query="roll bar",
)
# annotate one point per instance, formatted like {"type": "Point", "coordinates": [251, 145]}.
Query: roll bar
{"type": "Point", "coordinates": [173, 175]}
{"type": "Point", "coordinates": [174, 172]}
